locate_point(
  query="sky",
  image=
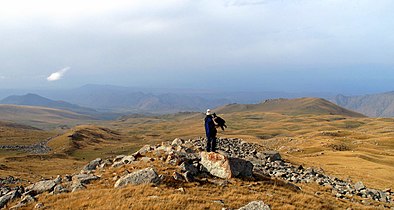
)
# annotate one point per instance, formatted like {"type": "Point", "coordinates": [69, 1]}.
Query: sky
{"type": "Point", "coordinates": [341, 46]}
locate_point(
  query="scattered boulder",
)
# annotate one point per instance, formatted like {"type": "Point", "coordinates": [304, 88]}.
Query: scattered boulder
{"type": "Point", "coordinates": [59, 189]}
{"type": "Point", "coordinates": [177, 142]}
{"type": "Point", "coordinates": [144, 176]}
{"type": "Point", "coordinates": [142, 152]}
{"type": "Point", "coordinates": [255, 205]}
{"type": "Point", "coordinates": [85, 178]}
{"type": "Point", "coordinates": [272, 155]}
{"type": "Point", "coordinates": [25, 200]}
{"type": "Point", "coordinates": [41, 186]}
{"type": "Point", "coordinates": [77, 186]}
{"type": "Point", "coordinates": [92, 165]}
{"type": "Point", "coordinates": [224, 167]}
{"type": "Point", "coordinates": [11, 195]}
{"type": "Point", "coordinates": [187, 167]}
{"type": "Point", "coordinates": [122, 160]}
{"type": "Point", "coordinates": [359, 186]}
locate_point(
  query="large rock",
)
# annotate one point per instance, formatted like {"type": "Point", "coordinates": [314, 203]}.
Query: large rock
{"type": "Point", "coordinates": [255, 205]}
{"type": "Point", "coordinates": [142, 152]}
{"type": "Point", "coordinates": [85, 178]}
{"type": "Point", "coordinates": [9, 197]}
{"type": "Point", "coordinates": [224, 167]}
{"type": "Point", "coordinates": [41, 186]}
{"type": "Point", "coordinates": [144, 176]}
{"type": "Point", "coordinates": [92, 165]}
{"type": "Point", "coordinates": [359, 186]}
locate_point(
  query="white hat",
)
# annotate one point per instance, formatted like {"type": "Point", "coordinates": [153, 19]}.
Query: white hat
{"type": "Point", "coordinates": [208, 112]}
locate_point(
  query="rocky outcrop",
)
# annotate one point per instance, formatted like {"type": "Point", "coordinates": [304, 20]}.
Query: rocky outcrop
{"type": "Point", "coordinates": [144, 176]}
{"type": "Point", "coordinates": [223, 167]}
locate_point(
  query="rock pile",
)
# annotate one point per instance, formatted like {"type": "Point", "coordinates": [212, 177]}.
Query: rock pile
{"type": "Point", "coordinates": [271, 164]}
{"type": "Point", "coordinates": [56, 186]}
{"type": "Point", "coordinates": [39, 148]}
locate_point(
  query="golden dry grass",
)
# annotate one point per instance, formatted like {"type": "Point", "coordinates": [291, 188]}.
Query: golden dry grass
{"type": "Point", "coordinates": [41, 117]}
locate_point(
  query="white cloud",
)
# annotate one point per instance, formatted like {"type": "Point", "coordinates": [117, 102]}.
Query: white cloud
{"type": "Point", "coordinates": [57, 75]}
{"type": "Point", "coordinates": [2, 77]}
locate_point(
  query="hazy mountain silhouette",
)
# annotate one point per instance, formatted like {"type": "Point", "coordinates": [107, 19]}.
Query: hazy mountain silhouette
{"type": "Point", "coordinates": [37, 100]}
{"type": "Point", "coordinates": [374, 105]}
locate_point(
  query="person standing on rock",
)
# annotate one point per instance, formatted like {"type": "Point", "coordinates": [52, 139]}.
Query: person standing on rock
{"type": "Point", "coordinates": [210, 131]}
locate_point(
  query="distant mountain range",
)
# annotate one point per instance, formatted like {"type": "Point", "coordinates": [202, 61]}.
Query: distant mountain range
{"type": "Point", "coordinates": [110, 102]}
{"type": "Point", "coordinates": [375, 105]}
{"type": "Point", "coordinates": [129, 100]}
{"type": "Point", "coordinates": [36, 100]}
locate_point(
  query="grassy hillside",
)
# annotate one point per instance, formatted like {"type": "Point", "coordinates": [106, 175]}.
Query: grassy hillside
{"type": "Point", "coordinates": [291, 107]}
{"type": "Point", "coordinates": [41, 117]}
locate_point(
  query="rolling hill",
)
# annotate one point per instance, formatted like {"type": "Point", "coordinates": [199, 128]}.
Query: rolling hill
{"type": "Point", "coordinates": [375, 105]}
{"type": "Point", "coordinates": [37, 100]}
{"type": "Point", "coordinates": [41, 117]}
{"type": "Point", "coordinates": [297, 106]}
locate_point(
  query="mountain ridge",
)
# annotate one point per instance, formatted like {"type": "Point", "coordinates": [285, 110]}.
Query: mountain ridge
{"type": "Point", "coordinates": [291, 107]}
{"type": "Point", "coordinates": [31, 99]}
{"type": "Point", "coordinates": [372, 105]}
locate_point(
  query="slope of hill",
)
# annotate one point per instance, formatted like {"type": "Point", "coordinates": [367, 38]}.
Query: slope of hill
{"type": "Point", "coordinates": [41, 117]}
{"type": "Point", "coordinates": [84, 138]}
{"type": "Point", "coordinates": [291, 107]}
{"type": "Point", "coordinates": [376, 105]}
{"type": "Point", "coordinates": [36, 100]}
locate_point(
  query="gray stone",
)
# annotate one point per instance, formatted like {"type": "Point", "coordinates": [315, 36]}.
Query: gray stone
{"type": "Point", "coordinates": [118, 158]}
{"type": "Point", "coordinates": [272, 155]}
{"type": "Point", "coordinates": [187, 167]}
{"type": "Point", "coordinates": [105, 163]}
{"type": "Point", "coordinates": [142, 152]}
{"type": "Point", "coordinates": [92, 165]}
{"type": "Point", "coordinates": [117, 164]}
{"type": "Point", "coordinates": [59, 189]}
{"type": "Point", "coordinates": [85, 178]}
{"type": "Point", "coordinates": [255, 205]}
{"type": "Point", "coordinates": [42, 186]}
{"type": "Point", "coordinates": [77, 186]}
{"type": "Point", "coordinates": [6, 198]}
{"type": "Point", "coordinates": [177, 176]}
{"type": "Point", "coordinates": [359, 186]}
{"type": "Point", "coordinates": [25, 200]}
{"type": "Point", "coordinates": [58, 179]}
{"type": "Point", "coordinates": [177, 142]}
{"type": "Point", "coordinates": [143, 176]}
{"type": "Point", "coordinates": [128, 159]}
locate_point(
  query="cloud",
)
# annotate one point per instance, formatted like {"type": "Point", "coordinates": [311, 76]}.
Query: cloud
{"type": "Point", "coordinates": [2, 77]}
{"type": "Point", "coordinates": [57, 75]}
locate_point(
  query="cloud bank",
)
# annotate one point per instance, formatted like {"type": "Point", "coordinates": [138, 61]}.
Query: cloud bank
{"type": "Point", "coordinates": [57, 75]}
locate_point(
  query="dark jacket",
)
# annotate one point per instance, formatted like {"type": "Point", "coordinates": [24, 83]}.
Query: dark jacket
{"type": "Point", "coordinates": [210, 129]}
